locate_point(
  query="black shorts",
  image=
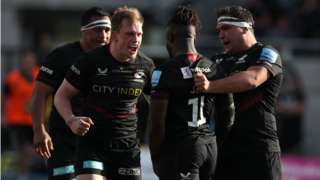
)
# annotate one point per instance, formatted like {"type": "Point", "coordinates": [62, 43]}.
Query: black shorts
{"type": "Point", "coordinates": [193, 159]}
{"type": "Point", "coordinates": [116, 160]}
{"type": "Point", "coordinates": [249, 166]}
{"type": "Point", "coordinates": [20, 135]}
{"type": "Point", "coordinates": [61, 164]}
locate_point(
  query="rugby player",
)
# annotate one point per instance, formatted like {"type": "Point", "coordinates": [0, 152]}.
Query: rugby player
{"type": "Point", "coordinates": [251, 150]}
{"type": "Point", "coordinates": [182, 142]}
{"type": "Point", "coordinates": [59, 150]}
{"type": "Point", "coordinates": [111, 79]}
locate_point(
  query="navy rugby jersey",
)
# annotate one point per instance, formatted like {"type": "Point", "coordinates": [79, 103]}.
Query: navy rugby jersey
{"type": "Point", "coordinates": [111, 89]}
{"type": "Point", "coordinates": [254, 127]}
{"type": "Point", "coordinates": [189, 113]}
{"type": "Point", "coordinates": [52, 73]}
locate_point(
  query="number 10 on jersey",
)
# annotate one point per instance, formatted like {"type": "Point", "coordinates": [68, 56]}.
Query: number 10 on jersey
{"type": "Point", "coordinates": [197, 112]}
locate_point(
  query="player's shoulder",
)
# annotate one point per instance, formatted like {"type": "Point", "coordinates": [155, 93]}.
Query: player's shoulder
{"type": "Point", "coordinates": [268, 47]}
{"type": "Point", "coordinates": [221, 57]}
{"type": "Point", "coordinates": [264, 48]}
{"type": "Point", "coordinates": [204, 58]}
{"type": "Point", "coordinates": [66, 47]}
{"type": "Point", "coordinates": [97, 54]}
{"type": "Point", "coordinates": [144, 59]}
{"type": "Point", "coordinates": [170, 64]}
{"type": "Point", "coordinates": [268, 53]}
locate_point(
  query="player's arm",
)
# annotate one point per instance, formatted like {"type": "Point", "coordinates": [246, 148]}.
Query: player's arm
{"type": "Point", "coordinates": [251, 78]}
{"type": "Point", "coordinates": [78, 124]}
{"type": "Point", "coordinates": [41, 139]}
{"type": "Point", "coordinates": [157, 115]}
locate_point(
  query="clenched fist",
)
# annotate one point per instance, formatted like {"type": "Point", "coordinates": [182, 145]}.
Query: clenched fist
{"type": "Point", "coordinates": [201, 82]}
{"type": "Point", "coordinates": [79, 125]}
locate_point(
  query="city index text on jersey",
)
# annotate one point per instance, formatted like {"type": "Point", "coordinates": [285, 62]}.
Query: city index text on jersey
{"type": "Point", "coordinates": [121, 91]}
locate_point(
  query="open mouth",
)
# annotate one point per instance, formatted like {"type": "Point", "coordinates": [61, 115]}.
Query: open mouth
{"type": "Point", "coordinates": [225, 43]}
{"type": "Point", "coordinates": [133, 48]}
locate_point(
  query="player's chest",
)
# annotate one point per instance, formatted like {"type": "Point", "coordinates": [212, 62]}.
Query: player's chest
{"type": "Point", "coordinates": [117, 80]}
{"type": "Point", "coordinates": [241, 63]}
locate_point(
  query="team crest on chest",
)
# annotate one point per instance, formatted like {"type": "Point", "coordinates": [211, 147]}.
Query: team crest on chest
{"type": "Point", "coordinates": [139, 75]}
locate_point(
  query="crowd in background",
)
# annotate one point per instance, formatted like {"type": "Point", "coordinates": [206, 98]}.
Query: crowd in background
{"type": "Point", "coordinates": [285, 18]}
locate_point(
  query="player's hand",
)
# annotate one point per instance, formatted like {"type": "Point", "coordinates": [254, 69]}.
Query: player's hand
{"type": "Point", "coordinates": [80, 125]}
{"type": "Point", "coordinates": [42, 143]}
{"type": "Point", "coordinates": [201, 82]}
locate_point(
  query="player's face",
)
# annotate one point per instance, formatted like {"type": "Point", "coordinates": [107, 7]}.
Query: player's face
{"type": "Point", "coordinates": [232, 37]}
{"type": "Point", "coordinates": [97, 36]}
{"type": "Point", "coordinates": [128, 39]}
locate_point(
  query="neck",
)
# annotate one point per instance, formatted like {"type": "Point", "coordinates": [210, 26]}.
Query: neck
{"type": "Point", "coordinates": [116, 55]}
{"type": "Point", "coordinates": [86, 46]}
{"type": "Point", "coordinates": [248, 42]}
{"type": "Point", "coordinates": [251, 41]}
{"type": "Point", "coordinates": [183, 46]}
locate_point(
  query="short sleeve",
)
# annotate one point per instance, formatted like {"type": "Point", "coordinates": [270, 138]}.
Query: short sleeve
{"type": "Point", "coordinates": [270, 59]}
{"type": "Point", "coordinates": [159, 83]}
{"type": "Point", "coordinates": [52, 70]}
{"type": "Point", "coordinates": [78, 73]}
{"type": "Point", "coordinates": [149, 70]}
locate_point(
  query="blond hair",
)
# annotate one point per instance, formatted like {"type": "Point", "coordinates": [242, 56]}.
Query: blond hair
{"type": "Point", "coordinates": [125, 13]}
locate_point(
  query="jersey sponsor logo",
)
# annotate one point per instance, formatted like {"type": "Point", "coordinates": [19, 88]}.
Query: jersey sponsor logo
{"type": "Point", "coordinates": [186, 72]}
{"type": "Point", "coordinates": [155, 77]}
{"type": "Point", "coordinates": [129, 171]}
{"type": "Point", "coordinates": [46, 70]}
{"type": "Point", "coordinates": [268, 55]}
{"type": "Point", "coordinates": [75, 70]}
{"type": "Point", "coordinates": [201, 69]}
{"type": "Point", "coordinates": [104, 89]}
{"type": "Point", "coordinates": [102, 72]}
{"type": "Point", "coordinates": [185, 176]}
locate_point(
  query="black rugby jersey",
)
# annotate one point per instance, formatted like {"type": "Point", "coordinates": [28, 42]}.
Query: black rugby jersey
{"type": "Point", "coordinates": [111, 89]}
{"type": "Point", "coordinates": [189, 113]}
{"type": "Point", "coordinates": [254, 127]}
{"type": "Point", "coordinates": [52, 73]}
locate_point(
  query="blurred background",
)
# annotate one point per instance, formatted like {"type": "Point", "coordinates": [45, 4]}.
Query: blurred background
{"type": "Point", "coordinates": [37, 26]}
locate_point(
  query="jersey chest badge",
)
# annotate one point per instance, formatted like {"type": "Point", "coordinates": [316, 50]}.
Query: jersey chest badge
{"type": "Point", "coordinates": [139, 75]}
